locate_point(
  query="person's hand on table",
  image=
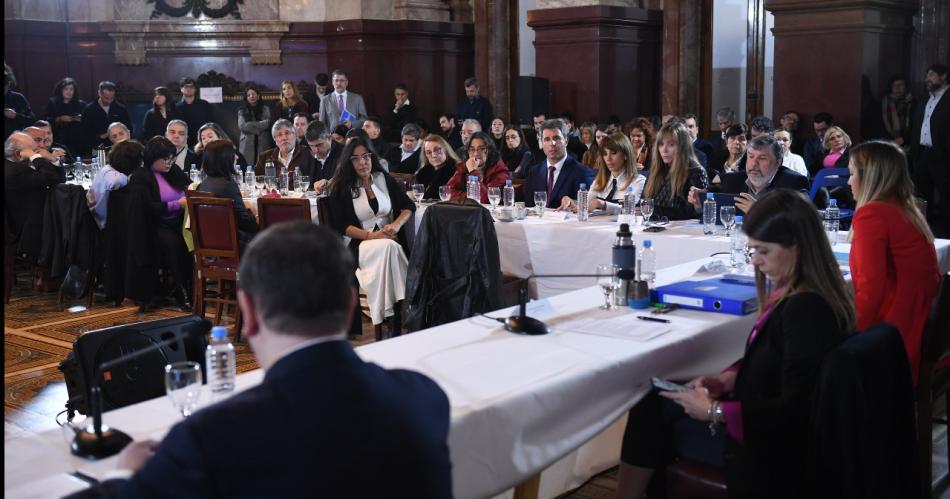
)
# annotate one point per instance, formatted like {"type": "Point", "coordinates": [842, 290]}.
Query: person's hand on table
{"type": "Point", "coordinates": [695, 403]}
{"type": "Point", "coordinates": [696, 197]}
{"type": "Point", "coordinates": [134, 455]}
{"type": "Point", "coordinates": [319, 186]}
{"type": "Point", "coordinates": [745, 201]}
{"type": "Point", "coordinates": [567, 204]}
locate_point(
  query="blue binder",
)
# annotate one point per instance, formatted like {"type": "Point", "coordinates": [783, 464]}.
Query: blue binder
{"type": "Point", "coordinates": [714, 295]}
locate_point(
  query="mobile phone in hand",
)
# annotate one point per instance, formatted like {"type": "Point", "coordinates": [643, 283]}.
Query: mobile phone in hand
{"type": "Point", "coordinates": [667, 386]}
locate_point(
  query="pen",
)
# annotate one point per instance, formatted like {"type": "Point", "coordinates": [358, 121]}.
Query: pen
{"type": "Point", "coordinates": [652, 319]}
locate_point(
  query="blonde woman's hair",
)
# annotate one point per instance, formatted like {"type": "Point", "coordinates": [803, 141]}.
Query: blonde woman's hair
{"type": "Point", "coordinates": [825, 140]}
{"type": "Point", "coordinates": [449, 153]}
{"type": "Point", "coordinates": [678, 171]}
{"type": "Point", "coordinates": [616, 142]}
{"type": "Point", "coordinates": [294, 99]}
{"type": "Point", "coordinates": [881, 171]}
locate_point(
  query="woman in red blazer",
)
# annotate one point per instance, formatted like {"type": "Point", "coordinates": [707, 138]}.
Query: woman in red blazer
{"type": "Point", "coordinates": [484, 162]}
{"type": "Point", "coordinates": [893, 260]}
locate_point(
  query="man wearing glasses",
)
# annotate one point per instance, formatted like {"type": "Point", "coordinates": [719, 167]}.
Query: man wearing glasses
{"type": "Point", "coordinates": [558, 175]}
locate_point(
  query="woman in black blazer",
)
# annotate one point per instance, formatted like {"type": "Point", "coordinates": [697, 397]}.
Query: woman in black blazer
{"type": "Point", "coordinates": [369, 208]}
{"type": "Point", "coordinates": [757, 410]}
{"type": "Point", "coordinates": [217, 162]}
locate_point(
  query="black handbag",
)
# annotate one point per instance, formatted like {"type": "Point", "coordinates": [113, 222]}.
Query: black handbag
{"type": "Point", "coordinates": [75, 283]}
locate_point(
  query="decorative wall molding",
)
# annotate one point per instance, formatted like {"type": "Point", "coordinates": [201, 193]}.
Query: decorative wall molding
{"type": "Point", "coordinates": [136, 40]}
{"type": "Point", "coordinates": [197, 9]}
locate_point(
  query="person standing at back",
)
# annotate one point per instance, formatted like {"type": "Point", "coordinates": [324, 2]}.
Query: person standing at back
{"type": "Point", "coordinates": [194, 110]}
{"type": "Point", "coordinates": [339, 100]}
{"type": "Point", "coordinates": [474, 106]}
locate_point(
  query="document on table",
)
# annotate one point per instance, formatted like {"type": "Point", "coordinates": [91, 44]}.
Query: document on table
{"type": "Point", "coordinates": [625, 327]}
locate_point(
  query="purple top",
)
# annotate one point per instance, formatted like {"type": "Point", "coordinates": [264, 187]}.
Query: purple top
{"type": "Point", "coordinates": [170, 196]}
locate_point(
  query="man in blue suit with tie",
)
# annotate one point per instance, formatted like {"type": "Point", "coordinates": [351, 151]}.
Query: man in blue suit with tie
{"type": "Point", "coordinates": [322, 423]}
{"type": "Point", "coordinates": [559, 175]}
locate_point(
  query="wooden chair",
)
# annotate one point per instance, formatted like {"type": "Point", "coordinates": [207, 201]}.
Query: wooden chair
{"type": "Point", "coordinates": [406, 179]}
{"type": "Point", "coordinates": [933, 384]}
{"type": "Point", "coordinates": [217, 257]}
{"type": "Point", "coordinates": [272, 211]}
{"type": "Point", "coordinates": [201, 194]}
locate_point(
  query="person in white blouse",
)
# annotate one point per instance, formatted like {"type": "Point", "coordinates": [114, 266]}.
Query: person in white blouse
{"type": "Point", "coordinates": [619, 171]}
{"type": "Point", "coordinates": [791, 160]}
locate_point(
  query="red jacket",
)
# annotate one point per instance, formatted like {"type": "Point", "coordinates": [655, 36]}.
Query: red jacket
{"type": "Point", "coordinates": [895, 274]}
{"type": "Point", "coordinates": [495, 176]}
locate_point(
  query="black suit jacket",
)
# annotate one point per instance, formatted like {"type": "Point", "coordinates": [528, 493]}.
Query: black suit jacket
{"type": "Point", "coordinates": [785, 178]}
{"type": "Point", "coordinates": [569, 179]}
{"type": "Point", "coordinates": [320, 419]}
{"type": "Point", "coordinates": [325, 170]}
{"type": "Point", "coordinates": [25, 200]}
{"type": "Point", "coordinates": [775, 382]}
{"type": "Point", "coordinates": [95, 122]}
{"type": "Point", "coordinates": [397, 165]}
{"type": "Point", "coordinates": [939, 125]}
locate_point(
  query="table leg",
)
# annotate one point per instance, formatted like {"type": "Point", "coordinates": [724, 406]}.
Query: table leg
{"type": "Point", "coordinates": [529, 488]}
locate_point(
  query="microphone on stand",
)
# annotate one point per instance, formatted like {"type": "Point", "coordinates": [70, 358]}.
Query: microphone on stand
{"type": "Point", "coordinates": [522, 324]}
{"type": "Point", "coordinates": [96, 440]}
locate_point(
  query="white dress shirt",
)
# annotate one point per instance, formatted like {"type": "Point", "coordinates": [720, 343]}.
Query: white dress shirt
{"type": "Point", "coordinates": [926, 139]}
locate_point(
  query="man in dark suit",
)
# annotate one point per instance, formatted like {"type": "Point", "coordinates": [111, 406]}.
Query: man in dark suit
{"type": "Point", "coordinates": [321, 87]}
{"type": "Point", "coordinates": [402, 113]}
{"type": "Point", "coordinates": [373, 128]}
{"type": "Point", "coordinates": [333, 104]}
{"type": "Point", "coordinates": [27, 176]}
{"type": "Point", "coordinates": [702, 148]}
{"type": "Point", "coordinates": [930, 137]}
{"type": "Point", "coordinates": [322, 423]}
{"type": "Point", "coordinates": [17, 113]}
{"type": "Point", "coordinates": [474, 106]}
{"type": "Point", "coordinates": [450, 131]}
{"type": "Point", "coordinates": [192, 109]}
{"type": "Point", "coordinates": [321, 163]}
{"type": "Point", "coordinates": [559, 174]}
{"type": "Point", "coordinates": [763, 173]}
{"type": "Point", "coordinates": [177, 132]}
{"type": "Point", "coordinates": [725, 118]}
{"type": "Point", "coordinates": [405, 158]}
{"type": "Point", "coordinates": [99, 114]}
{"type": "Point", "coordinates": [813, 146]}
{"type": "Point", "coordinates": [287, 153]}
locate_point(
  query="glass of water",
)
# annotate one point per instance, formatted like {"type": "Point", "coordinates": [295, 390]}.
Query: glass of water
{"type": "Point", "coordinates": [494, 197]}
{"type": "Point", "coordinates": [646, 207]}
{"type": "Point", "coordinates": [445, 192]}
{"type": "Point", "coordinates": [419, 191]}
{"type": "Point", "coordinates": [540, 202]}
{"type": "Point", "coordinates": [183, 386]}
{"type": "Point", "coordinates": [609, 281]}
{"type": "Point", "coordinates": [728, 216]}
{"type": "Point", "coordinates": [303, 183]}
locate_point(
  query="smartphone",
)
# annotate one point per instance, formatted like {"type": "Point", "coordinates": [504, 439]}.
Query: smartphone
{"type": "Point", "coordinates": [667, 386]}
{"type": "Point", "coordinates": [654, 228]}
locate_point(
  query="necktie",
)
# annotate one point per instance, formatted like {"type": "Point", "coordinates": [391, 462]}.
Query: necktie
{"type": "Point", "coordinates": [342, 105]}
{"type": "Point", "coordinates": [551, 171]}
{"type": "Point", "coordinates": [613, 189]}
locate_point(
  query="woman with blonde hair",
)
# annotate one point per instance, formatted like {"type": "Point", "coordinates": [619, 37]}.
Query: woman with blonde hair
{"type": "Point", "coordinates": [290, 102]}
{"type": "Point", "coordinates": [436, 165]}
{"type": "Point", "coordinates": [674, 169]}
{"type": "Point", "coordinates": [616, 173]}
{"type": "Point", "coordinates": [835, 144]}
{"type": "Point", "coordinates": [890, 238]}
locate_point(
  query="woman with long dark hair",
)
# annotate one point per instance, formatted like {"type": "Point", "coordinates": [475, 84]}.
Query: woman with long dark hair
{"type": "Point", "coordinates": [254, 121]}
{"type": "Point", "coordinates": [757, 410]}
{"type": "Point", "coordinates": [217, 161]}
{"type": "Point", "coordinates": [64, 112]}
{"type": "Point", "coordinates": [163, 110]}
{"type": "Point", "coordinates": [156, 211]}
{"type": "Point", "coordinates": [515, 152]}
{"type": "Point", "coordinates": [369, 208]}
{"type": "Point", "coordinates": [484, 162]}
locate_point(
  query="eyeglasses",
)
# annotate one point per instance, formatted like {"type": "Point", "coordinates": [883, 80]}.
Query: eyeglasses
{"type": "Point", "coordinates": [473, 150]}
{"type": "Point", "coordinates": [365, 157]}
{"type": "Point", "coordinates": [435, 152]}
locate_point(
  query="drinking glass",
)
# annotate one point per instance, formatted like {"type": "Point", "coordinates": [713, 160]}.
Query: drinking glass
{"type": "Point", "coordinates": [271, 183]}
{"type": "Point", "coordinates": [608, 280]}
{"type": "Point", "coordinates": [540, 201]}
{"type": "Point", "coordinates": [445, 192]}
{"type": "Point", "coordinates": [728, 216]}
{"type": "Point", "coordinates": [303, 183]}
{"type": "Point", "coordinates": [183, 386]}
{"type": "Point", "coordinates": [646, 207]}
{"type": "Point", "coordinates": [494, 196]}
{"type": "Point", "coordinates": [419, 191]}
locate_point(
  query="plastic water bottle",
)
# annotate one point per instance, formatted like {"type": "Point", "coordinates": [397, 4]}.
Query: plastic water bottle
{"type": "Point", "coordinates": [832, 220]}
{"type": "Point", "coordinates": [629, 209]}
{"type": "Point", "coordinates": [269, 169]}
{"type": "Point", "coordinates": [624, 256]}
{"type": "Point", "coordinates": [473, 190]}
{"type": "Point", "coordinates": [220, 362]}
{"type": "Point", "coordinates": [583, 213]}
{"type": "Point", "coordinates": [648, 262]}
{"type": "Point", "coordinates": [283, 181]}
{"type": "Point", "coordinates": [508, 195]}
{"type": "Point", "coordinates": [709, 214]}
{"type": "Point", "coordinates": [737, 243]}
{"type": "Point", "coordinates": [295, 179]}
{"type": "Point", "coordinates": [249, 178]}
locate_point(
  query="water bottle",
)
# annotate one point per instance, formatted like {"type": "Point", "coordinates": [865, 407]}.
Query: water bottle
{"type": "Point", "coordinates": [474, 189]}
{"type": "Point", "coordinates": [629, 209]}
{"type": "Point", "coordinates": [283, 181]}
{"type": "Point", "coordinates": [195, 177]}
{"type": "Point", "coordinates": [508, 195]}
{"type": "Point", "coordinates": [583, 213]}
{"type": "Point", "coordinates": [249, 177]}
{"type": "Point", "coordinates": [709, 214]}
{"type": "Point", "coordinates": [625, 258]}
{"type": "Point", "coordinates": [296, 178]}
{"type": "Point", "coordinates": [648, 262]}
{"type": "Point", "coordinates": [270, 172]}
{"type": "Point", "coordinates": [832, 218]}
{"type": "Point", "coordinates": [737, 243]}
{"type": "Point", "coordinates": [220, 361]}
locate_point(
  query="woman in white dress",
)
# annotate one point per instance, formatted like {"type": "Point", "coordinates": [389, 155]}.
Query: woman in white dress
{"type": "Point", "coordinates": [617, 173]}
{"type": "Point", "coordinates": [369, 208]}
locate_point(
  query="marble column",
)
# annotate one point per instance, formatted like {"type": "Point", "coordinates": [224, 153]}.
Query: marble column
{"type": "Point", "coordinates": [492, 55]}
{"type": "Point", "coordinates": [836, 56]}
{"type": "Point", "coordinates": [601, 60]}
{"type": "Point", "coordinates": [682, 57]}
{"type": "Point", "coordinates": [422, 10]}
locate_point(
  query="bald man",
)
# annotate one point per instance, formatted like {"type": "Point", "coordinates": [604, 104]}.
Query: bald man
{"type": "Point", "coordinates": [28, 174]}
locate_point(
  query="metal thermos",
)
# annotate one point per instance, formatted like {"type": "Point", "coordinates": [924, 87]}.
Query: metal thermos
{"type": "Point", "coordinates": [625, 258]}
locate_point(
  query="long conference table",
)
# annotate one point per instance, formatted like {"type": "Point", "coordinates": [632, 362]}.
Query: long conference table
{"type": "Point", "coordinates": [519, 405]}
